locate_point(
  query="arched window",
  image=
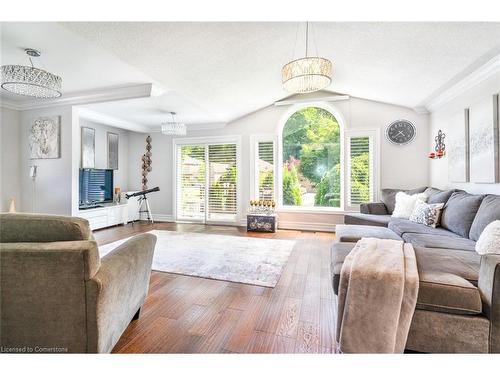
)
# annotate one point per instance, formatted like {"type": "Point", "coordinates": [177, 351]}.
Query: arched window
{"type": "Point", "coordinates": [311, 151]}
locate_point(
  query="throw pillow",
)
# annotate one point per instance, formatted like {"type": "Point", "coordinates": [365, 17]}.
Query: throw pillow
{"type": "Point", "coordinates": [489, 241]}
{"type": "Point", "coordinates": [427, 214]}
{"type": "Point", "coordinates": [405, 204]}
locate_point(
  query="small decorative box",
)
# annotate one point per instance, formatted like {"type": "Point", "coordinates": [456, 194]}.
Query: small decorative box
{"type": "Point", "coordinates": [261, 223]}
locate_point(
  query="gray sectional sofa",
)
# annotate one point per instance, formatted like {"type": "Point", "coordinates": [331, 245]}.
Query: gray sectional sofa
{"type": "Point", "coordinates": [458, 306]}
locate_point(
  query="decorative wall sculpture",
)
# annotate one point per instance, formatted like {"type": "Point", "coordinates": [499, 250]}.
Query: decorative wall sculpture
{"type": "Point", "coordinates": [146, 163]}
{"type": "Point", "coordinates": [483, 124]}
{"type": "Point", "coordinates": [112, 151]}
{"type": "Point", "coordinates": [88, 147]}
{"type": "Point", "coordinates": [458, 147]}
{"type": "Point", "coordinates": [44, 138]}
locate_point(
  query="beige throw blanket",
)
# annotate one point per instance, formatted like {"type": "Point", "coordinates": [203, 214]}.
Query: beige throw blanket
{"type": "Point", "coordinates": [377, 297]}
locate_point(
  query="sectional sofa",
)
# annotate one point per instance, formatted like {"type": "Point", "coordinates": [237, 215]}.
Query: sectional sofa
{"type": "Point", "coordinates": [458, 306]}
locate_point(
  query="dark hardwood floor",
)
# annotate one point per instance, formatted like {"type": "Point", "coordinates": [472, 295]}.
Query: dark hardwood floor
{"type": "Point", "coordinates": [184, 314]}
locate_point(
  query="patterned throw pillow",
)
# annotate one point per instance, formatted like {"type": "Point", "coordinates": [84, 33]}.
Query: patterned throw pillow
{"type": "Point", "coordinates": [428, 214]}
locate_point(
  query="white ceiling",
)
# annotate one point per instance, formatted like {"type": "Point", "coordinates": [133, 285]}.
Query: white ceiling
{"type": "Point", "coordinates": [216, 72]}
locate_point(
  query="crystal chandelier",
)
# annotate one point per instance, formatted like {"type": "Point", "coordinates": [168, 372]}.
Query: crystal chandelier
{"type": "Point", "coordinates": [307, 74]}
{"type": "Point", "coordinates": [173, 127]}
{"type": "Point", "coordinates": [31, 81]}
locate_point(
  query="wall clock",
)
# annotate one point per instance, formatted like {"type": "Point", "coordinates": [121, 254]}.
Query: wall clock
{"type": "Point", "coordinates": [401, 132]}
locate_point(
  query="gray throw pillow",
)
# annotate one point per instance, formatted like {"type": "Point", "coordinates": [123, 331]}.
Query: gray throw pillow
{"type": "Point", "coordinates": [459, 212]}
{"type": "Point", "coordinates": [488, 211]}
{"type": "Point", "coordinates": [440, 197]}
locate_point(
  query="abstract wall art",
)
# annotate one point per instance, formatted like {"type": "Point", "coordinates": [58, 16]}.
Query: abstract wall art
{"type": "Point", "coordinates": [44, 138]}
{"type": "Point", "coordinates": [483, 135]}
{"type": "Point", "coordinates": [112, 151]}
{"type": "Point", "coordinates": [88, 147]}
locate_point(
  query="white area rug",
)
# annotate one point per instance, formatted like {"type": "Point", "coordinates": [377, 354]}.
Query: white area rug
{"type": "Point", "coordinates": [247, 260]}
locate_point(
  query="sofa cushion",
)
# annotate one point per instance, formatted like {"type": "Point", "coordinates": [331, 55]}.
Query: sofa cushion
{"type": "Point", "coordinates": [402, 226]}
{"type": "Point", "coordinates": [388, 196]}
{"type": "Point", "coordinates": [437, 241]}
{"type": "Point", "coordinates": [43, 228]}
{"type": "Point", "coordinates": [440, 197]}
{"type": "Point", "coordinates": [367, 219]}
{"type": "Point", "coordinates": [488, 211]}
{"type": "Point", "coordinates": [447, 281]}
{"type": "Point", "coordinates": [353, 233]}
{"type": "Point", "coordinates": [459, 212]}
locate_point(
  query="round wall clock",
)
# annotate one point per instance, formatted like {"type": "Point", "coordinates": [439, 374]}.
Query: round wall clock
{"type": "Point", "coordinates": [401, 132]}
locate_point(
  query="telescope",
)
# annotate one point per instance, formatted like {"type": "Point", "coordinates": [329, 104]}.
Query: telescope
{"type": "Point", "coordinates": [143, 200]}
{"type": "Point", "coordinates": [143, 192]}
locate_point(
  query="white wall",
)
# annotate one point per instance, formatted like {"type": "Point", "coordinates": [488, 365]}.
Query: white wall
{"type": "Point", "coordinates": [401, 166]}
{"type": "Point", "coordinates": [51, 192]}
{"type": "Point", "coordinates": [10, 154]}
{"type": "Point", "coordinates": [120, 178]}
{"type": "Point", "coordinates": [441, 119]}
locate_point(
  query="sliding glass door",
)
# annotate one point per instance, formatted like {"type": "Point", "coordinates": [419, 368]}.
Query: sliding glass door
{"type": "Point", "coordinates": [207, 186]}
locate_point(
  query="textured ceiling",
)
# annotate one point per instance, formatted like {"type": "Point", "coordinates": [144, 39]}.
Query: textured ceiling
{"type": "Point", "coordinates": [217, 72]}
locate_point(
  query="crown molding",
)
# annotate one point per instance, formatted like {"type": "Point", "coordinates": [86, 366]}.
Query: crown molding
{"type": "Point", "coordinates": [101, 118]}
{"type": "Point", "coordinates": [477, 76]}
{"type": "Point", "coordinates": [85, 97]}
{"type": "Point", "coordinates": [209, 126]}
{"type": "Point", "coordinates": [10, 104]}
{"type": "Point", "coordinates": [421, 110]}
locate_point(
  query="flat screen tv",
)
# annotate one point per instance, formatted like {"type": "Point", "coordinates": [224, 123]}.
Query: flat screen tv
{"type": "Point", "coordinates": [96, 186]}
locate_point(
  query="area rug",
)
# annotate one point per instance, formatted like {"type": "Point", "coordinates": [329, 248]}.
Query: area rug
{"type": "Point", "coordinates": [247, 260]}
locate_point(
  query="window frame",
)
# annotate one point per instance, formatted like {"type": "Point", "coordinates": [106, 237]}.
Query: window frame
{"type": "Point", "coordinates": [374, 136]}
{"type": "Point", "coordinates": [254, 163]}
{"type": "Point", "coordinates": [206, 141]}
{"type": "Point", "coordinates": [279, 185]}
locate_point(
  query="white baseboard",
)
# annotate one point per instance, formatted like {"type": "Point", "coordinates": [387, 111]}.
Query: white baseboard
{"type": "Point", "coordinates": [293, 225]}
{"type": "Point", "coordinates": [298, 225]}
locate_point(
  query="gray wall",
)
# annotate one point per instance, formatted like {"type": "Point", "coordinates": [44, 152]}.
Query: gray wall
{"type": "Point", "coordinates": [10, 155]}
{"type": "Point", "coordinates": [442, 119]}
{"type": "Point", "coordinates": [101, 151]}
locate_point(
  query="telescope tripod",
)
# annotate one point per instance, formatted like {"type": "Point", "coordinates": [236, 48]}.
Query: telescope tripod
{"type": "Point", "coordinates": [143, 200]}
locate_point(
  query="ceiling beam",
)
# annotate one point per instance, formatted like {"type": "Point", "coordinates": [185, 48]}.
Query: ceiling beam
{"type": "Point", "coordinates": [87, 97]}
{"type": "Point", "coordinates": [332, 98]}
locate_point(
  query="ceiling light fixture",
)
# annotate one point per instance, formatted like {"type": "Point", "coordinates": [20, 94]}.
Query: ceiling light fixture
{"type": "Point", "coordinates": [173, 127]}
{"type": "Point", "coordinates": [31, 81]}
{"type": "Point", "coordinates": [307, 74]}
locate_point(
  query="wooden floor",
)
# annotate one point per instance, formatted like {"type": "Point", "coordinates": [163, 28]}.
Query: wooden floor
{"type": "Point", "coordinates": [185, 314]}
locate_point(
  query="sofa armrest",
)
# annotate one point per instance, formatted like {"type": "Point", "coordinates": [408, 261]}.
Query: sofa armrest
{"type": "Point", "coordinates": [117, 291]}
{"type": "Point", "coordinates": [489, 287]}
{"type": "Point", "coordinates": [373, 208]}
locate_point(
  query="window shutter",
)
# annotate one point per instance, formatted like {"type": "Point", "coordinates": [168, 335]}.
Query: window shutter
{"type": "Point", "coordinates": [222, 184]}
{"type": "Point", "coordinates": [360, 167]}
{"type": "Point", "coordinates": [265, 166]}
{"type": "Point", "coordinates": [192, 182]}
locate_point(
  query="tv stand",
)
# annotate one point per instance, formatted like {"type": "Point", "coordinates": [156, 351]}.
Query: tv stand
{"type": "Point", "coordinates": [105, 216]}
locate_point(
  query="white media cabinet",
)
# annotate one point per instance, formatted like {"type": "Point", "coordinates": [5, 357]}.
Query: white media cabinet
{"type": "Point", "coordinates": [111, 214]}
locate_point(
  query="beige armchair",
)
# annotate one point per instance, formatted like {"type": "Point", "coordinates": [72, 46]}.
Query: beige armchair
{"type": "Point", "coordinates": [57, 295]}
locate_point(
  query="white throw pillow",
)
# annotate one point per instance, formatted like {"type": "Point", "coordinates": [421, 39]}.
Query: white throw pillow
{"type": "Point", "coordinates": [489, 240]}
{"type": "Point", "coordinates": [427, 214]}
{"type": "Point", "coordinates": [405, 204]}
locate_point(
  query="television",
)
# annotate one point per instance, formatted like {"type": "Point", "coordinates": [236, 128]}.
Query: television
{"type": "Point", "coordinates": [96, 186]}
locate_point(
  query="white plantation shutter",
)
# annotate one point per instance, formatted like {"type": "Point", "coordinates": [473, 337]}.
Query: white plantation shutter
{"type": "Point", "coordinates": [191, 196]}
{"type": "Point", "coordinates": [265, 166]}
{"type": "Point", "coordinates": [222, 184]}
{"type": "Point", "coordinates": [360, 165]}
